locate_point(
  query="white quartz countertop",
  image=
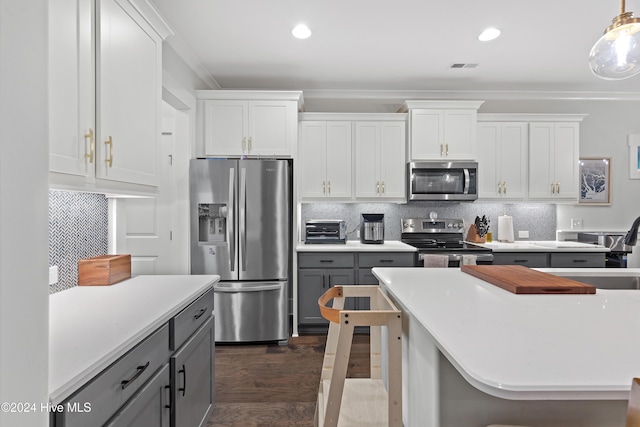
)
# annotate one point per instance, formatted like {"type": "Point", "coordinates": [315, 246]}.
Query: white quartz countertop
{"type": "Point", "coordinates": [525, 346]}
{"type": "Point", "coordinates": [356, 246]}
{"type": "Point", "coordinates": [90, 327]}
{"type": "Point", "coordinates": [543, 246]}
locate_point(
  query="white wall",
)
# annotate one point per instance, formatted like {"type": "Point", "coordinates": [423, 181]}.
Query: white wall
{"type": "Point", "coordinates": [24, 294]}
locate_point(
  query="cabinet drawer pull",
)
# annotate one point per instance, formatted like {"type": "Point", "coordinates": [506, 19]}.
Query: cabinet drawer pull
{"type": "Point", "coordinates": [579, 260]}
{"type": "Point", "coordinates": [183, 371]}
{"type": "Point", "coordinates": [126, 383]}
{"type": "Point", "coordinates": [521, 260]}
{"type": "Point", "coordinates": [200, 313]}
{"type": "Point", "coordinates": [386, 260]}
{"type": "Point", "coordinates": [326, 260]}
{"type": "Point", "coordinates": [109, 142]}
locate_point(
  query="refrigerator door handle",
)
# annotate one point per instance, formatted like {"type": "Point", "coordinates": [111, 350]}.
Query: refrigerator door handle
{"type": "Point", "coordinates": [262, 288]}
{"type": "Point", "coordinates": [231, 237]}
{"type": "Point", "coordinates": [243, 219]}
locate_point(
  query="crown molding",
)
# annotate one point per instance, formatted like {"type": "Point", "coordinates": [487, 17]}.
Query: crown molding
{"type": "Point", "coordinates": [402, 95]}
{"type": "Point", "coordinates": [192, 60]}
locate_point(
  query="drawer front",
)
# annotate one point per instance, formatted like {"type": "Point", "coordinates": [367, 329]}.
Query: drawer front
{"type": "Point", "coordinates": [385, 259]}
{"type": "Point", "coordinates": [578, 260]}
{"type": "Point", "coordinates": [150, 407]}
{"type": "Point", "coordinates": [326, 260]}
{"type": "Point", "coordinates": [111, 389]}
{"type": "Point", "coordinates": [528, 259]}
{"type": "Point", "coordinates": [185, 323]}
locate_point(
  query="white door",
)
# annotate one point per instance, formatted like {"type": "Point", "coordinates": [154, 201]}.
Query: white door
{"type": "Point", "coordinates": [226, 127]}
{"type": "Point", "coordinates": [149, 222]}
{"type": "Point", "coordinates": [565, 157]}
{"type": "Point", "coordinates": [338, 160]}
{"type": "Point", "coordinates": [541, 140]}
{"type": "Point", "coordinates": [489, 178]}
{"type": "Point", "coordinates": [392, 159]}
{"type": "Point", "coordinates": [71, 87]}
{"type": "Point", "coordinates": [367, 181]}
{"type": "Point", "coordinates": [129, 75]}
{"type": "Point", "coordinates": [427, 134]}
{"type": "Point", "coordinates": [513, 160]}
{"type": "Point", "coordinates": [269, 128]}
{"type": "Point", "coordinates": [312, 159]}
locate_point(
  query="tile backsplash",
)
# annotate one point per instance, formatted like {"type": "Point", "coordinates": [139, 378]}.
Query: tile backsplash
{"type": "Point", "coordinates": [537, 218]}
{"type": "Point", "coordinates": [78, 228]}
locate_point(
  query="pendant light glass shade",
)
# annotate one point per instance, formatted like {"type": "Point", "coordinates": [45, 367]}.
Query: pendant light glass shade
{"type": "Point", "coordinates": [616, 55]}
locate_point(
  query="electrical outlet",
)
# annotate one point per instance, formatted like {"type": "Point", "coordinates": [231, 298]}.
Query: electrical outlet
{"type": "Point", "coordinates": [523, 234]}
{"type": "Point", "coordinates": [53, 275]}
{"type": "Point", "coordinates": [576, 223]}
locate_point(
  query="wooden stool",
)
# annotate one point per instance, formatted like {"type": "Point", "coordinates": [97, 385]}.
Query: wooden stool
{"type": "Point", "coordinates": [360, 401]}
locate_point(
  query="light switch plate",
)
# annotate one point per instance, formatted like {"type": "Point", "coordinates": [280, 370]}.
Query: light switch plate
{"type": "Point", "coordinates": [523, 234]}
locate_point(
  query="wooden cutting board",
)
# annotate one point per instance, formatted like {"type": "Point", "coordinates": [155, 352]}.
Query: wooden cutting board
{"type": "Point", "coordinates": [523, 280]}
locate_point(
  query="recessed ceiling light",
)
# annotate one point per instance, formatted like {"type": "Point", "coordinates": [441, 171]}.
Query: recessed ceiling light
{"type": "Point", "coordinates": [301, 31]}
{"type": "Point", "coordinates": [489, 34]}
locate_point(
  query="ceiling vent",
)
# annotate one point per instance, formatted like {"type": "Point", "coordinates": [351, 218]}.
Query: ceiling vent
{"type": "Point", "coordinates": [463, 65]}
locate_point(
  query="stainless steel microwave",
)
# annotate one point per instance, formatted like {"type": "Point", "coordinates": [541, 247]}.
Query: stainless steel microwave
{"type": "Point", "coordinates": [439, 180]}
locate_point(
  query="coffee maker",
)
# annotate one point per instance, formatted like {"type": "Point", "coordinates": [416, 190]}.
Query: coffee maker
{"type": "Point", "coordinates": [372, 228]}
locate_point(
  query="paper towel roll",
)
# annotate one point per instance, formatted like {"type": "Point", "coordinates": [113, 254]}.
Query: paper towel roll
{"type": "Point", "coordinates": [505, 228]}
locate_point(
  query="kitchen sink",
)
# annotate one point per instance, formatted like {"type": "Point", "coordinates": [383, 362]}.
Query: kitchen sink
{"type": "Point", "coordinates": [609, 282]}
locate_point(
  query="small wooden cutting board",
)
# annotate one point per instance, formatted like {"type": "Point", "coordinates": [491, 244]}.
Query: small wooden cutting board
{"type": "Point", "coordinates": [523, 280]}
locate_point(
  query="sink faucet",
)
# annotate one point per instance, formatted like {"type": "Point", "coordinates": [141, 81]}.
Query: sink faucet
{"type": "Point", "coordinates": [632, 235]}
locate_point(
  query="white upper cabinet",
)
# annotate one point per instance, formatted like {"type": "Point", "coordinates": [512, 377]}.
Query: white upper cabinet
{"type": "Point", "coordinates": [502, 160]}
{"type": "Point", "coordinates": [248, 123]}
{"type": "Point", "coordinates": [380, 161]}
{"type": "Point", "coordinates": [442, 129]}
{"type": "Point", "coordinates": [105, 100]}
{"type": "Point", "coordinates": [71, 88]}
{"type": "Point", "coordinates": [324, 160]}
{"type": "Point", "coordinates": [553, 160]}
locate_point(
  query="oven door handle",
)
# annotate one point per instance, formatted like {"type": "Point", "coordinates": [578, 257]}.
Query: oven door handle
{"type": "Point", "coordinates": [457, 256]}
{"type": "Point", "coordinates": [467, 181]}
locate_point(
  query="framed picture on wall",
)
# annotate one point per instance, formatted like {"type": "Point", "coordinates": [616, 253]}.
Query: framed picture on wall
{"type": "Point", "coordinates": [634, 156]}
{"type": "Point", "coordinates": [595, 181]}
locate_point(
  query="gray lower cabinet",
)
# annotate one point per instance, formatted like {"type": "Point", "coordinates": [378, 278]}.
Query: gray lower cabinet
{"type": "Point", "coordinates": [318, 271]}
{"type": "Point", "coordinates": [150, 407]}
{"type": "Point", "coordinates": [151, 385]}
{"type": "Point", "coordinates": [551, 259]}
{"type": "Point", "coordinates": [528, 259]}
{"type": "Point", "coordinates": [577, 260]}
{"type": "Point", "coordinates": [316, 282]}
{"type": "Point", "coordinates": [192, 373]}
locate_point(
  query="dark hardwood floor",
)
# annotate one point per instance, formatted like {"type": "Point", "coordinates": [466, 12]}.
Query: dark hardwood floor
{"type": "Point", "coordinates": [270, 385]}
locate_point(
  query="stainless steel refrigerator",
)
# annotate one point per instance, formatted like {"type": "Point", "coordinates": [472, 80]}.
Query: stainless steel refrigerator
{"type": "Point", "coordinates": [241, 230]}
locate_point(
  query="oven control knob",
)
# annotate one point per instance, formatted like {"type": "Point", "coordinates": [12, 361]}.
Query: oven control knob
{"type": "Point", "coordinates": [450, 225]}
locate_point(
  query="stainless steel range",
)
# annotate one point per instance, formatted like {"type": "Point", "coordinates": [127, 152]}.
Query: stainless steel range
{"type": "Point", "coordinates": [442, 236]}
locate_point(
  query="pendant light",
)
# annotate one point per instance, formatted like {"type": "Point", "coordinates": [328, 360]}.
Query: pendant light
{"type": "Point", "coordinates": [616, 55]}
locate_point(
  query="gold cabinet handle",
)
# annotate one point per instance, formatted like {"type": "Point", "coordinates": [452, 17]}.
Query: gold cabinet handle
{"type": "Point", "coordinates": [382, 187]}
{"type": "Point", "coordinates": [329, 186]}
{"type": "Point", "coordinates": [553, 188]}
{"type": "Point", "coordinates": [558, 187]}
{"type": "Point", "coordinates": [324, 188]}
{"type": "Point", "coordinates": [109, 142]}
{"type": "Point", "coordinates": [377, 187]}
{"type": "Point", "coordinates": [499, 187]}
{"type": "Point", "coordinates": [447, 152]}
{"type": "Point", "coordinates": [250, 143]}
{"type": "Point", "coordinates": [504, 187]}
{"type": "Point", "coordinates": [244, 144]}
{"type": "Point", "coordinates": [92, 145]}
{"type": "Point", "coordinates": [441, 150]}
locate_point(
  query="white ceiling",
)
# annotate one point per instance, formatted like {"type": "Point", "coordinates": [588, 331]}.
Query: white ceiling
{"type": "Point", "coordinates": [400, 45]}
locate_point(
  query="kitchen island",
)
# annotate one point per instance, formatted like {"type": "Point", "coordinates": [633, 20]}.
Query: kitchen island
{"type": "Point", "coordinates": [475, 354]}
